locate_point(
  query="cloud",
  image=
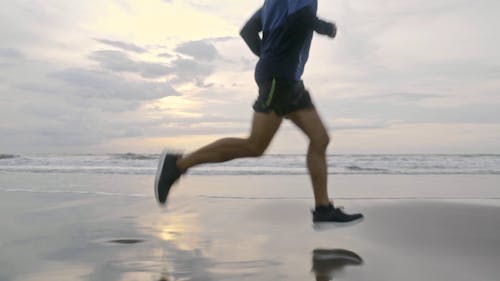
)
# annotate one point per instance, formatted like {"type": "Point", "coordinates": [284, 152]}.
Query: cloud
{"type": "Point", "coordinates": [180, 70]}
{"type": "Point", "coordinates": [405, 97]}
{"type": "Point", "coordinates": [224, 38]}
{"type": "Point", "coordinates": [351, 124]}
{"type": "Point", "coordinates": [199, 50]}
{"type": "Point", "coordinates": [165, 55]}
{"type": "Point", "coordinates": [117, 61]}
{"type": "Point", "coordinates": [92, 83]}
{"type": "Point", "coordinates": [188, 70]}
{"type": "Point", "coordinates": [122, 45]}
{"type": "Point", "coordinates": [9, 53]}
{"type": "Point", "coordinates": [393, 61]}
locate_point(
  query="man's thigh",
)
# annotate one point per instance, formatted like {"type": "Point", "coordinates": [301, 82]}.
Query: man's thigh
{"type": "Point", "coordinates": [309, 121]}
{"type": "Point", "coordinates": [264, 127]}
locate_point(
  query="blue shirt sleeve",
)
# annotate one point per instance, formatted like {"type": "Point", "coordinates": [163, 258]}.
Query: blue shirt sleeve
{"type": "Point", "coordinates": [306, 18]}
{"type": "Point", "coordinates": [250, 32]}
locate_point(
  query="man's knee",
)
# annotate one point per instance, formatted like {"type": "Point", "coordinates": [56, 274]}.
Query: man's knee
{"type": "Point", "coordinates": [320, 141]}
{"type": "Point", "coordinates": [255, 149]}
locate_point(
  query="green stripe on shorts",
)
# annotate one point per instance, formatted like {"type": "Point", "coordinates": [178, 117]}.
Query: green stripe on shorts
{"type": "Point", "coordinates": [271, 93]}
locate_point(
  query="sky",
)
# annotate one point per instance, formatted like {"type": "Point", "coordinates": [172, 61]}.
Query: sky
{"type": "Point", "coordinates": [117, 76]}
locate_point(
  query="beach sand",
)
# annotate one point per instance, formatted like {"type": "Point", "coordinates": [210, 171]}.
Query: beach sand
{"type": "Point", "coordinates": [108, 227]}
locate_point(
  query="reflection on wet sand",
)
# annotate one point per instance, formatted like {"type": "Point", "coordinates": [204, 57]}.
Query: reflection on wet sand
{"type": "Point", "coordinates": [326, 263]}
{"type": "Point", "coordinates": [126, 241]}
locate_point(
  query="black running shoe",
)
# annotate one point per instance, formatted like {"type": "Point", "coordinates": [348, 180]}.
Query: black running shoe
{"type": "Point", "coordinates": [334, 215]}
{"type": "Point", "coordinates": [166, 175]}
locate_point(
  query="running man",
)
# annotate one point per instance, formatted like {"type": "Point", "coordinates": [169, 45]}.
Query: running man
{"type": "Point", "coordinates": [287, 27]}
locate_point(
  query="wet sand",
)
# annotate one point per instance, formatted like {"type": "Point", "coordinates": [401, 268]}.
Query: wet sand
{"type": "Point", "coordinates": [73, 227]}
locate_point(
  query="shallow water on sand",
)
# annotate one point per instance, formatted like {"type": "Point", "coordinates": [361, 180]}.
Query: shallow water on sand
{"type": "Point", "coordinates": [245, 228]}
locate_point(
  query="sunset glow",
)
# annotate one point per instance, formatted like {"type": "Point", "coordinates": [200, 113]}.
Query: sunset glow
{"type": "Point", "coordinates": [83, 76]}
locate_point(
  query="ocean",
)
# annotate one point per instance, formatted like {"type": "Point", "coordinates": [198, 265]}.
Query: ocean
{"type": "Point", "coordinates": [277, 164]}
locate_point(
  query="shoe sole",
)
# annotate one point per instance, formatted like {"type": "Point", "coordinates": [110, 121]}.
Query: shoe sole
{"type": "Point", "coordinates": [322, 226]}
{"type": "Point", "coordinates": [158, 174]}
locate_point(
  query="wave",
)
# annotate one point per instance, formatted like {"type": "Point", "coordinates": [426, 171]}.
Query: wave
{"type": "Point", "coordinates": [80, 192]}
{"type": "Point", "coordinates": [135, 156]}
{"type": "Point", "coordinates": [149, 171]}
{"type": "Point", "coordinates": [361, 169]}
{"type": "Point", "coordinates": [7, 156]}
{"type": "Point", "coordinates": [146, 164]}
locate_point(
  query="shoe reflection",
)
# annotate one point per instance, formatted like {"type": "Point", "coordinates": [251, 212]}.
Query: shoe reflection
{"type": "Point", "coordinates": [326, 263]}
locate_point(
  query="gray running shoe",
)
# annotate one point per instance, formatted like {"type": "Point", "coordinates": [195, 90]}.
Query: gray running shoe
{"type": "Point", "coordinates": [166, 175]}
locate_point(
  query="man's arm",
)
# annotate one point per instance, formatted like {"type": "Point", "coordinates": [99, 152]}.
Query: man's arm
{"type": "Point", "coordinates": [250, 32]}
{"type": "Point", "coordinates": [306, 18]}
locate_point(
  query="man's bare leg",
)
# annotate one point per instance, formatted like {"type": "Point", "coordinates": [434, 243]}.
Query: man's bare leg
{"type": "Point", "coordinates": [310, 123]}
{"type": "Point", "coordinates": [264, 126]}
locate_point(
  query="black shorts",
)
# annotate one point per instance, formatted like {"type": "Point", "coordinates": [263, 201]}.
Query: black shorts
{"type": "Point", "coordinates": [282, 97]}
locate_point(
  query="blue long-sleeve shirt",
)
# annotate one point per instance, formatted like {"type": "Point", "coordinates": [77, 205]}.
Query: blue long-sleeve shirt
{"type": "Point", "coordinates": [287, 27]}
